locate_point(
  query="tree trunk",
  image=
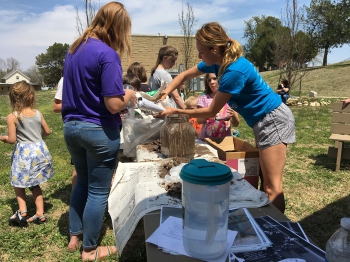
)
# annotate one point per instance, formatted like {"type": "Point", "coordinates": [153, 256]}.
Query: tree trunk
{"type": "Point", "coordinates": [325, 55]}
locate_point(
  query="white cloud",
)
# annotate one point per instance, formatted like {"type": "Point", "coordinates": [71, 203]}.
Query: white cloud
{"type": "Point", "coordinates": [25, 34]}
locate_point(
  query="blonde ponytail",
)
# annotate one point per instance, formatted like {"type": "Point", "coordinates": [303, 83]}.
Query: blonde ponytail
{"type": "Point", "coordinates": [213, 35]}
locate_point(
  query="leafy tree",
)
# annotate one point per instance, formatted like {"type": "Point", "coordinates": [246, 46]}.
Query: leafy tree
{"type": "Point", "coordinates": [325, 23]}
{"type": "Point", "coordinates": [187, 21]}
{"type": "Point", "coordinates": [260, 33]}
{"type": "Point", "coordinates": [344, 9]}
{"type": "Point", "coordinates": [50, 64]}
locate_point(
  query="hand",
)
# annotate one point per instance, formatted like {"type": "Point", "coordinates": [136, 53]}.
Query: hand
{"type": "Point", "coordinates": [162, 96]}
{"type": "Point", "coordinates": [345, 102]}
{"type": "Point", "coordinates": [167, 111]}
{"type": "Point", "coordinates": [133, 97]}
{"type": "Point", "coordinates": [230, 111]}
{"type": "Point", "coordinates": [122, 116]}
{"type": "Point", "coordinates": [4, 138]}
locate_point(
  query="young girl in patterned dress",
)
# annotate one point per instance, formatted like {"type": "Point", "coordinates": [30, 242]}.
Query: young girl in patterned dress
{"type": "Point", "coordinates": [31, 162]}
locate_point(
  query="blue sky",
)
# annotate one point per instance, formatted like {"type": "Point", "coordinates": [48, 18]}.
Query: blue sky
{"type": "Point", "coordinates": [28, 28]}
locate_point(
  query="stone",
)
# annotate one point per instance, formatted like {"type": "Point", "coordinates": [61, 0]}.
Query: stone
{"type": "Point", "coordinates": [313, 94]}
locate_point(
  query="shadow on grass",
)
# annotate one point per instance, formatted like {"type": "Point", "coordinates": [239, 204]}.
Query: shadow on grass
{"type": "Point", "coordinates": [63, 222]}
{"type": "Point", "coordinates": [63, 225]}
{"type": "Point", "coordinates": [323, 223]}
{"type": "Point", "coordinates": [31, 208]}
{"type": "Point", "coordinates": [63, 194]}
{"type": "Point", "coordinates": [322, 160]}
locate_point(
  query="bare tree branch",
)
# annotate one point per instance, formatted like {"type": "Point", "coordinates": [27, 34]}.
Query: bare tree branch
{"type": "Point", "coordinates": [292, 45]}
{"type": "Point", "coordinates": [90, 12]}
{"type": "Point", "coordinates": [187, 21]}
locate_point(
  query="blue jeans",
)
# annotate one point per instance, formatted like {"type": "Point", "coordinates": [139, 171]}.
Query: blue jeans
{"type": "Point", "coordinates": [285, 98]}
{"type": "Point", "coordinates": [94, 152]}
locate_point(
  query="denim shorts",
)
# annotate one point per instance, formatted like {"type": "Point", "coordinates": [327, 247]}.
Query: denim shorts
{"type": "Point", "coordinates": [276, 127]}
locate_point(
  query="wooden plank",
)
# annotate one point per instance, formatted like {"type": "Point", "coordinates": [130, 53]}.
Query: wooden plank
{"type": "Point", "coordinates": [337, 163]}
{"type": "Point", "coordinates": [336, 143]}
{"type": "Point", "coordinates": [332, 152]}
{"type": "Point", "coordinates": [338, 137]}
{"type": "Point", "coordinates": [340, 129]}
{"type": "Point", "coordinates": [337, 106]}
{"type": "Point", "coordinates": [340, 118]}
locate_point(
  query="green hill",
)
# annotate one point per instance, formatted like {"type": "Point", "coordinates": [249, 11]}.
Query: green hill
{"type": "Point", "coordinates": [330, 81]}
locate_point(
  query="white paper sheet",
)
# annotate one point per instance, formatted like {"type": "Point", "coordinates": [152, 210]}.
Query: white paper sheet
{"type": "Point", "coordinates": [135, 191]}
{"type": "Point", "coordinates": [169, 236]}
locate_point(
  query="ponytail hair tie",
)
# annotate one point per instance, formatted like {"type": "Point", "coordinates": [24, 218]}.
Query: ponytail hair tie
{"type": "Point", "coordinates": [229, 41]}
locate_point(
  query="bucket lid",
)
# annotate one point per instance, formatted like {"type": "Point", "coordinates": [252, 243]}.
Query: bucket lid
{"type": "Point", "coordinates": [203, 172]}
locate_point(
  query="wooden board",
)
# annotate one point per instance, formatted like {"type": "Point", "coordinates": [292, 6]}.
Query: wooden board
{"type": "Point", "coordinates": [332, 152]}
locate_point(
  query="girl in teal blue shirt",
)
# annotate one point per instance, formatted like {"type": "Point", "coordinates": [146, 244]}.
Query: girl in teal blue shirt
{"type": "Point", "coordinates": [243, 88]}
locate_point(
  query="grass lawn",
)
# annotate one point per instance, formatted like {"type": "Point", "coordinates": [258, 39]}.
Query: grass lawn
{"type": "Point", "coordinates": [316, 196]}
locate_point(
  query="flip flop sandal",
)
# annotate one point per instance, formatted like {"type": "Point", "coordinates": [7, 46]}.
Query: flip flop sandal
{"type": "Point", "coordinates": [110, 249]}
{"type": "Point", "coordinates": [17, 219]}
{"type": "Point", "coordinates": [37, 220]}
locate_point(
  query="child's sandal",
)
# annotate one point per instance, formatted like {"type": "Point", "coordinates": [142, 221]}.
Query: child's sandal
{"type": "Point", "coordinates": [37, 220]}
{"type": "Point", "coordinates": [17, 219]}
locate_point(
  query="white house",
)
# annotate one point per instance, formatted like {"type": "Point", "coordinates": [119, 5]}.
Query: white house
{"type": "Point", "coordinates": [14, 76]}
{"type": "Point", "coordinates": [8, 80]}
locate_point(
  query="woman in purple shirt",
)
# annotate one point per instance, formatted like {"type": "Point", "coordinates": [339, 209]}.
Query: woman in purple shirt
{"type": "Point", "coordinates": [93, 95]}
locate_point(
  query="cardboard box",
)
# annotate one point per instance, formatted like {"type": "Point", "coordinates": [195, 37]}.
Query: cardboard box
{"type": "Point", "coordinates": [239, 155]}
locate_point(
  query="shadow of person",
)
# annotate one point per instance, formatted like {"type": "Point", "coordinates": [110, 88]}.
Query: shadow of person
{"type": "Point", "coordinates": [63, 225]}
{"type": "Point", "coordinates": [63, 193]}
{"type": "Point", "coordinates": [31, 208]}
{"type": "Point", "coordinates": [323, 160]}
{"type": "Point", "coordinates": [320, 225]}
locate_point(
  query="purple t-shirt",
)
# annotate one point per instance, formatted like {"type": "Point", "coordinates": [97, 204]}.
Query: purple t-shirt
{"type": "Point", "coordinates": [93, 72]}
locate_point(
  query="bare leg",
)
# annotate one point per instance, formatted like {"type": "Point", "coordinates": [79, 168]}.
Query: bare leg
{"type": "Point", "coordinates": [75, 240]}
{"type": "Point", "coordinates": [39, 201]}
{"type": "Point", "coordinates": [272, 161]}
{"type": "Point", "coordinates": [21, 199]}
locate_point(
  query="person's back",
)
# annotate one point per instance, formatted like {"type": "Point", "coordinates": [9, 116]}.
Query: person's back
{"type": "Point", "coordinates": [159, 75]}
{"type": "Point", "coordinates": [93, 96]}
{"type": "Point", "coordinates": [31, 162]}
{"type": "Point", "coordinates": [29, 129]}
{"type": "Point", "coordinates": [84, 87]}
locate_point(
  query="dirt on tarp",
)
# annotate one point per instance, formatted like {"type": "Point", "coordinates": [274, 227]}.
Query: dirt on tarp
{"type": "Point", "coordinates": [167, 165]}
{"type": "Point", "coordinates": [174, 189]}
{"type": "Point", "coordinates": [153, 146]}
